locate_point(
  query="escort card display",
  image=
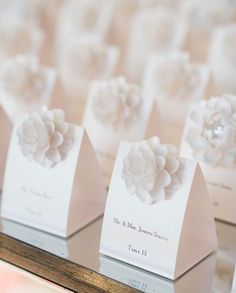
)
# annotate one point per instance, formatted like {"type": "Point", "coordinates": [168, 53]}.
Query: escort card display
{"type": "Point", "coordinates": [210, 138]}
{"type": "Point", "coordinates": [175, 83]}
{"type": "Point", "coordinates": [199, 278]}
{"type": "Point", "coordinates": [158, 214]}
{"type": "Point", "coordinates": [203, 18]}
{"type": "Point", "coordinates": [5, 135]}
{"type": "Point", "coordinates": [25, 86]}
{"type": "Point", "coordinates": [118, 110]}
{"type": "Point", "coordinates": [57, 186]}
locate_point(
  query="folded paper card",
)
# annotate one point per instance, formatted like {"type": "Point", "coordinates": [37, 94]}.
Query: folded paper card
{"type": "Point", "coordinates": [175, 82]}
{"type": "Point", "coordinates": [155, 30]}
{"type": "Point", "coordinates": [77, 19]}
{"type": "Point", "coordinates": [158, 214]}
{"type": "Point", "coordinates": [222, 59]}
{"type": "Point", "coordinates": [118, 110]}
{"type": "Point", "coordinates": [199, 278]}
{"type": "Point", "coordinates": [82, 62]}
{"type": "Point", "coordinates": [203, 18]}
{"type": "Point", "coordinates": [18, 36]}
{"type": "Point", "coordinates": [210, 138]}
{"type": "Point", "coordinates": [5, 135]}
{"type": "Point", "coordinates": [57, 186]}
{"type": "Point", "coordinates": [25, 86]}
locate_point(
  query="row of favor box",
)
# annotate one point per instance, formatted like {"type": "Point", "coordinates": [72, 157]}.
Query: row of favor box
{"type": "Point", "coordinates": [158, 213]}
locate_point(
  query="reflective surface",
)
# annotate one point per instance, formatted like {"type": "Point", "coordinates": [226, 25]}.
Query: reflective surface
{"type": "Point", "coordinates": [214, 274]}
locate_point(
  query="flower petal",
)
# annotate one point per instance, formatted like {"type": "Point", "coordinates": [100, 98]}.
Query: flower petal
{"type": "Point", "coordinates": [53, 155]}
{"type": "Point", "coordinates": [172, 165]}
{"type": "Point", "coordinates": [58, 114]}
{"type": "Point", "coordinates": [57, 140]}
{"type": "Point", "coordinates": [61, 127]}
{"type": "Point", "coordinates": [163, 178]}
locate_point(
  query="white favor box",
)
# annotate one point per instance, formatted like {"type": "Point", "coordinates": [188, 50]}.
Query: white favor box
{"type": "Point", "coordinates": [175, 82]}
{"type": "Point", "coordinates": [222, 59]}
{"type": "Point", "coordinates": [59, 200]}
{"type": "Point", "coordinates": [220, 179]}
{"type": "Point", "coordinates": [106, 139]}
{"type": "Point", "coordinates": [167, 237]}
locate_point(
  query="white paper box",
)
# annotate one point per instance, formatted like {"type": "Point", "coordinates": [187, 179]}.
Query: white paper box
{"type": "Point", "coordinates": [106, 141]}
{"type": "Point", "coordinates": [59, 200]}
{"type": "Point", "coordinates": [222, 59]}
{"type": "Point", "coordinates": [5, 134]}
{"type": "Point", "coordinates": [18, 36]}
{"type": "Point", "coordinates": [199, 278]}
{"type": "Point", "coordinates": [175, 82]}
{"type": "Point", "coordinates": [25, 85]}
{"type": "Point", "coordinates": [203, 18]}
{"type": "Point", "coordinates": [220, 180]}
{"type": "Point", "coordinates": [82, 62]}
{"type": "Point", "coordinates": [78, 18]}
{"type": "Point", "coordinates": [157, 30]}
{"type": "Point", "coordinates": [166, 238]}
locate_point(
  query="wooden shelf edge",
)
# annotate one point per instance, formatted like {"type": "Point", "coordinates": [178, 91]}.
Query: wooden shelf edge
{"type": "Point", "coordinates": [55, 269]}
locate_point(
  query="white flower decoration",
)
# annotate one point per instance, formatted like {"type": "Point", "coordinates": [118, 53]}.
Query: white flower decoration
{"type": "Point", "coordinates": [18, 36]}
{"type": "Point", "coordinates": [116, 103]}
{"type": "Point", "coordinates": [175, 77]}
{"type": "Point", "coordinates": [88, 59]}
{"type": "Point", "coordinates": [157, 28]}
{"type": "Point", "coordinates": [23, 79]}
{"type": "Point", "coordinates": [45, 137]}
{"type": "Point", "coordinates": [226, 44]}
{"type": "Point", "coordinates": [212, 136]}
{"type": "Point", "coordinates": [209, 14]}
{"type": "Point", "coordinates": [150, 170]}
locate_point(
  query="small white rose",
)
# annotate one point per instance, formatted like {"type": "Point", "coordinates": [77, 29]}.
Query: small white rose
{"type": "Point", "coordinates": [150, 170]}
{"type": "Point", "coordinates": [88, 59]}
{"type": "Point", "coordinates": [18, 36]}
{"type": "Point", "coordinates": [116, 103]}
{"type": "Point", "coordinates": [23, 79]}
{"type": "Point", "coordinates": [45, 137]}
{"type": "Point", "coordinates": [213, 134]}
{"type": "Point", "coordinates": [175, 77]}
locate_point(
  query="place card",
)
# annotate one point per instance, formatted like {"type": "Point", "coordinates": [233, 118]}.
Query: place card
{"type": "Point", "coordinates": [25, 85]}
{"type": "Point", "coordinates": [82, 62]}
{"type": "Point", "coordinates": [158, 214]}
{"type": "Point", "coordinates": [222, 59]}
{"type": "Point", "coordinates": [58, 186]}
{"type": "Point", "coordinates": [5, 135]}
{"type": "Point", "coordinates": [18, 36]}
{"type": "Point", "coordinates": [199, 278]}
{"type": "Point", "coordinates": [155, 30]}
{"type": "Point", "coordinates": [210, 138]}
{"type": "Point", "coordinates": [77, 19]}
{"type": "Point", "coordinates": [203, 19]}
{"type": "Point", "coordinates": [175, 82]}
{"type": "Point", "coordinates": [118, 110]}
